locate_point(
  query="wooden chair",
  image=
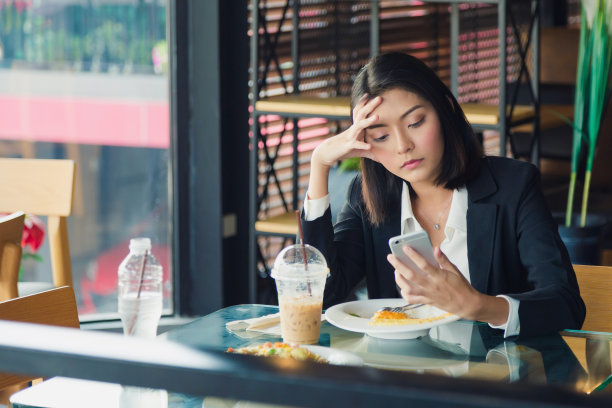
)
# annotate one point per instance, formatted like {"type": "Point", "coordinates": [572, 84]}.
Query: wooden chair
{"type": "Point", "coordinates": [42, 187]}
{"type": "Point", "coordinates": [595, 284]}
{"type": "Point", "coordinates": [11, 230]}
{"type": "Point", "coordinates": [56, 307]}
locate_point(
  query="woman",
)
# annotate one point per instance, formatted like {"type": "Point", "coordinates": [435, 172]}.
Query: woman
{"type": "Point", "coordinates": [500, 258]}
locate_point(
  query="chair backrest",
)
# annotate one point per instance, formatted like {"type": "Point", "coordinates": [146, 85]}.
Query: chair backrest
{"type": "Point", "coordinates": [11, 231]}
{"type": "Point", "coordinates": [42, 187]}
{"type": "Point", "coordinates": [56, 307]}
{"type": "Point", "coordinates": [595, 284]}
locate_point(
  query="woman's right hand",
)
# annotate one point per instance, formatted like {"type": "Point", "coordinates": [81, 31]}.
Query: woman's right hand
{"type": "Point", "coordinates": [351, 142]}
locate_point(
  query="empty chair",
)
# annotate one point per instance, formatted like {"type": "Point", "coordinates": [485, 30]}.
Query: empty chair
{"type": "Point", "coordinates": [42, 187]}
{"type": "Point", "coordinates": [11, 230]}
{"type": "Point", "coordinates": [595, 284]}
{"type": "Point", "coordinates": [56, 307]}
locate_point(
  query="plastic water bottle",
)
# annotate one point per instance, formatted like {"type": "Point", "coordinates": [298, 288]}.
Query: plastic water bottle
{"type": "Point", "coordinates": [140, 290]}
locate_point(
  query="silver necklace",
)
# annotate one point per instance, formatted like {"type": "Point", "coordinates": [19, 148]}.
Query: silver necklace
{"type": "Point", "coordinates": [436, 225]}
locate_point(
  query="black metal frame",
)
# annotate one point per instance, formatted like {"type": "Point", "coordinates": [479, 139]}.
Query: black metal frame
{"type": "Point", "coordinates": [533, 83]}
{"type": "Point", "coordinates": [504, 9]}
{"type": "Point", "coordinates": [209, 152]}
{"type": "Point", "coordinates": [179, 125]}
{"type": "Point", "coordinates": [258, 82]}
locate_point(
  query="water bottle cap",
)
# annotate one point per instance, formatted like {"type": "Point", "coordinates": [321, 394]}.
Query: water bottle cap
{"type": "Point", "coordinates": [140, 245]}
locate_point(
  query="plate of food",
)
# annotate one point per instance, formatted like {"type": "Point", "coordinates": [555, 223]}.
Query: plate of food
{"type": "Point", "coordinates": [360, 316]}
{"type": "Point", "coordinates": [318, 354]}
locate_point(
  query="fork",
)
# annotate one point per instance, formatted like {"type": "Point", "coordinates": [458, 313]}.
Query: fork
{"type": "Point", "coordinates": [400, 309]}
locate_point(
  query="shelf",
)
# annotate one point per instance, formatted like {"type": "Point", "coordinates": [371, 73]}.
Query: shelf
{"type": "Point", "coordinates": [481, 114]}
{"type": "Point", "coordinates": [283, 224]}
{"type": "Point", "coordinates": [339, 106]}
{"type": "Point", "coordinates": [548, 119]}
{"type": "Point", "coordinates": [299, 105]}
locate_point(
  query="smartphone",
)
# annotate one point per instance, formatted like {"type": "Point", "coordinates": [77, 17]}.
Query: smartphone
{"type": "Point", "coordinates": [419, 241]}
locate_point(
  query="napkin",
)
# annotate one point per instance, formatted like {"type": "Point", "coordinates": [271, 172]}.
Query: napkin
{"type": "Point", "coordinates": [249, 328]}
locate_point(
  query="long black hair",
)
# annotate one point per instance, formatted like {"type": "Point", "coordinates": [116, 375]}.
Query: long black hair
{"type": "Point", "coordinates": [462, 151]}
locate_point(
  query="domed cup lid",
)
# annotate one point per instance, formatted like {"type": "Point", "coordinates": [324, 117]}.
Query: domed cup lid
{"type": "Point", "coordinates": [289, 263]}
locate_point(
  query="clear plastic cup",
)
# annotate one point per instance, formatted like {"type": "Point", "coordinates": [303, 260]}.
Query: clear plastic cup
{"type": "Point", "coordinates": [300, 289]}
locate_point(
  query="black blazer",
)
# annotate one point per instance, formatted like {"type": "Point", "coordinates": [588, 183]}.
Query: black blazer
{"type": "Point", "coordinates": [513, 248]}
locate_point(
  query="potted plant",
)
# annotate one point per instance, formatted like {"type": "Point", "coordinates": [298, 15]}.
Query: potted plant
{"type": "Point", "coordinates": [591, 96]}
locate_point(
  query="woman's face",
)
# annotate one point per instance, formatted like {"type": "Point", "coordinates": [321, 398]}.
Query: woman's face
{"type": "Point", "coordinates": [407, 139]}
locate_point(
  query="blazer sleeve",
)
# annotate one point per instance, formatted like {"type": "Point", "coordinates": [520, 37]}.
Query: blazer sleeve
{"type": "Point", "coordinates": [342, 245]}
{"type": "Point", "coordinates": [552, 301]}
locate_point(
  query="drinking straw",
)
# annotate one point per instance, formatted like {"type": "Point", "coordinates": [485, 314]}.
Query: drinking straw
{"type": "Point", "coordinates": [140, 281]}
{"type": "Point", "coordinates": [142, 270]}
{"type": "Point", "coordinates": [299, 222]}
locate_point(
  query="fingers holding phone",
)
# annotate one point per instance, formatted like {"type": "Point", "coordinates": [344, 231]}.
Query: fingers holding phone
{"type": "Point", "coordinates": [425, 275]}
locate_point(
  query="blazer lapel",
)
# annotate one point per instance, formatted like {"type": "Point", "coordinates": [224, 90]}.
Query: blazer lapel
{"type": "Point", "coordinates": [481, 224]}
{"type": "Point", "coordinates": [481, 221]}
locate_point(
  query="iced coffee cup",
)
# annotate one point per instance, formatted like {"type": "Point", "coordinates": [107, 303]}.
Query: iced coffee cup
{"type": "Point", "coordinates": [300, 288]}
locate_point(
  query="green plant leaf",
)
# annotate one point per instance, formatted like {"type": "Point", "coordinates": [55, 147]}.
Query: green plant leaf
{"type": "Point", "coordinates": [351, 164]}
{"type": "Point", "coordinates": [580, 98]}
{"type": "Point", "coordinates": [598, 92]}
{"type": "Point", "coordinates": [591, 94]}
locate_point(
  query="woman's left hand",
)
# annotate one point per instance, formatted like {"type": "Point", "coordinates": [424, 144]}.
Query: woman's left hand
{"type": "Point", "coordinates": [442, 286]}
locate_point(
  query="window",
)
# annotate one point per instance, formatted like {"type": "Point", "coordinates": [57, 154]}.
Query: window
{"type": "Point", "coordinates": [88, 81]}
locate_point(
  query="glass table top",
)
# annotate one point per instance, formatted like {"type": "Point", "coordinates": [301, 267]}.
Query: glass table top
{"type": "Point", "coordinates": [578, 361]}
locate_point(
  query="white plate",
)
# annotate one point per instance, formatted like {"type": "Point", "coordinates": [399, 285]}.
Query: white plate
{"type": "Point", "coordinates": [344, 316]}
{"type": "Point", "coordinates": [336, 357]}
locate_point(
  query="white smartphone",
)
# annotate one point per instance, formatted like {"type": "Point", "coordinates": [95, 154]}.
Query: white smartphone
{"type": "Point", "coordinates": [419, 241]}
